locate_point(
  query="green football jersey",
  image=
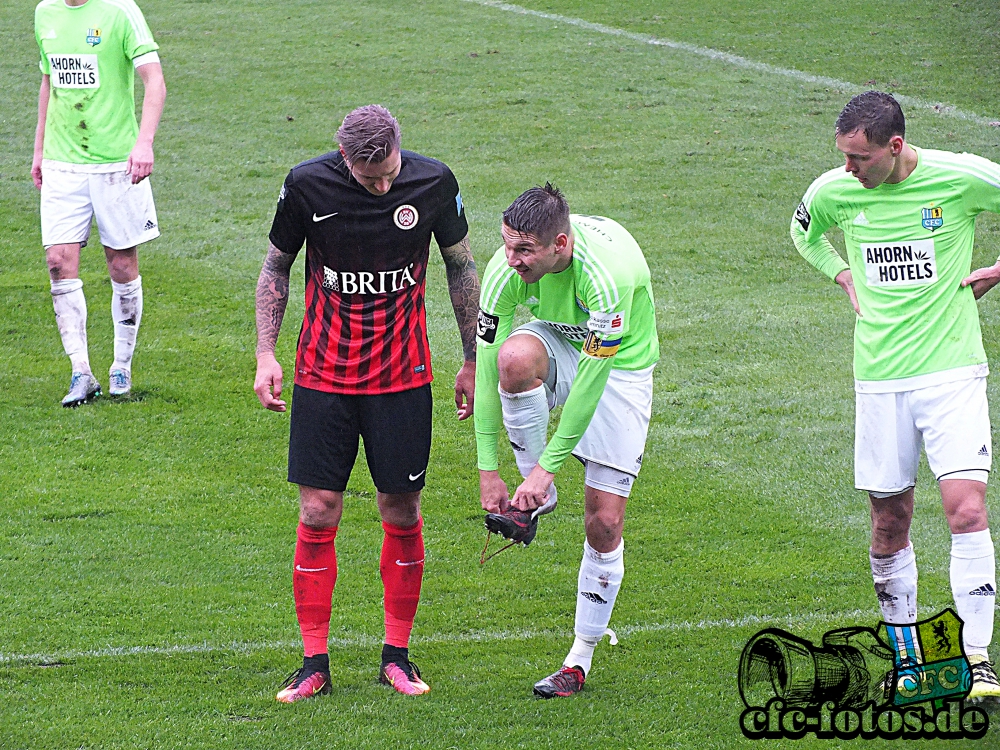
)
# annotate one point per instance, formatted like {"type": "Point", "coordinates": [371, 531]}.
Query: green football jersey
{"type": "Point", "coordinates": [87, 52]}
{"type": "Point", "coordinates": [909, 246]}
{"type": "Point", "coordinates": [602, 303]}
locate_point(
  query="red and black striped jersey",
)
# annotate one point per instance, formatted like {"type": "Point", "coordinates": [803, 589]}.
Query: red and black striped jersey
{"type": "Point", "coordinates": [365, 329]}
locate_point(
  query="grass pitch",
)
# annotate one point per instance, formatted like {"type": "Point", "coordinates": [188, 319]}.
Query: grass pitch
{"type": "Point", "coordinates": [146, 546]}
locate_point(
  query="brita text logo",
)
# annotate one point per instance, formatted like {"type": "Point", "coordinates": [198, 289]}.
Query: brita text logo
{"type": "Point", "coordinates": [368, 282]}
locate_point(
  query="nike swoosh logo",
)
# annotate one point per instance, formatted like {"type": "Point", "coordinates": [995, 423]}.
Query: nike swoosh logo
{"type": "Point", "coordinates": [309, 570]}
{"type": "Point", "coordinates": [402, 564]}
{"type": "Point", "coordinates": [415, 477]}
{"type": "Point", "coordinates": [321, 218]}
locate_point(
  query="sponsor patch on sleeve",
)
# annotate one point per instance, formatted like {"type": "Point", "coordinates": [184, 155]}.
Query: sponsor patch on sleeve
{"type": "Point", "coordinates": [600, 348]}
{"type": "Point", "coordinates": [486, 326]}
{"type": "Point", "coordinates": [613, 322]}
{"type": "Point", "coordinates": [802, 216]}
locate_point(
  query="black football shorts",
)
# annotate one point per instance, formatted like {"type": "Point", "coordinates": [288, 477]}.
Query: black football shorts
{"type": "Point", "coordinates": [396, 429]}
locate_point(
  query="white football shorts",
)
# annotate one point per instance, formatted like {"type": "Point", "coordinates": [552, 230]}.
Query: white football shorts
{"type": "Point", "coordinates": [951, 419]}
{"type": "Point", "coordinates": [73, 194]}
{"type": "Point", "coordinates": [616, 436]}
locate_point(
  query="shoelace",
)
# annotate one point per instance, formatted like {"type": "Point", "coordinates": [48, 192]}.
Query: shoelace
{"type": "Point", "coordinates": [118, 378]}
{"type": "Point", "coordinates": [565, 679]}
{"type": "Point", "coordinates": [297, 677]}
{"type": "Point", "coordinates": [408, 668]}
{"type": "Point", "coordinates": [983, 672]}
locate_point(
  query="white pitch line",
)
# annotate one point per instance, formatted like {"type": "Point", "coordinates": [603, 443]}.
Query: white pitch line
{"type": "Point", "coordinates": [363, 640]}
{"type": "Point", "coordinates": [731, 59]}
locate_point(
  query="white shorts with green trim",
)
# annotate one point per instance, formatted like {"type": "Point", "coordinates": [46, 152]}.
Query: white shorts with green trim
{"type": "Point", "coordinates": [73, 194]}
{"type": "Point", "coordinates": [616, 436]}
{"type": "Point", "coordinates": [951, 419]}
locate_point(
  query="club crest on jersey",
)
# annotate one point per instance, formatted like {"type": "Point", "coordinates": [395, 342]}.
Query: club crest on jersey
{"type": "Point", "coordinates": [932, 218]}
{"type": "Point", "coordinates": [406, 217]}
{"type": "Point", "coordinates": [93, 37]}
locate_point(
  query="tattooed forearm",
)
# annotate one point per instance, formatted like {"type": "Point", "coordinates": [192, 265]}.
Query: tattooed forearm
{"type": "Point", "coordinates": [463, 286]}
{"type": "Point", "coordinates": [272, 297]}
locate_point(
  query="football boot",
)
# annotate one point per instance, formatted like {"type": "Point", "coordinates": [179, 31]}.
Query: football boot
{"type": "Point", "coordinates": [304, 682]}
{"type": "Point", "coordinates": [403, 676]}
{"type": "Point", "coordinates": [119, 382]}
{"type": "Point", "coordinates": [985, 685]}
{"type": "Point", "coordinates": [82, 388]}
{"type": "Point", "coordinates": [518, 526]}
{"type": "Point", "coordinates": [567, 681]}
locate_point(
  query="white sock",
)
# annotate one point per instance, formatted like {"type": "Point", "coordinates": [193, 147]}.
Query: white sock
{"type": "Point", "coordinates": [974, 586]}
{"type": "Point", "coordinates": [526, 418]}
{"type": "Point", "coordinates": [597, 588]}
{"type": "Point", "coordinates": [71, 318]}
{"type": "Point", "coordinates": [895, 579]}
{"type": "Point", "coordinates": [126, 312]}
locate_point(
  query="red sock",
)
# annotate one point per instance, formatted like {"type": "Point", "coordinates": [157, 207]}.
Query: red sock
{"type": "Point", "coordinates": [313, 580]}
{"type": "Point", "coordinates": [402, 568]}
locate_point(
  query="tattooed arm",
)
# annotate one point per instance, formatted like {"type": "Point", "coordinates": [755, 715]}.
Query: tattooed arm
{"type": "Point", "coordinates": [272, 297]}
{"type": "Point", "coordinates": [463, 286]}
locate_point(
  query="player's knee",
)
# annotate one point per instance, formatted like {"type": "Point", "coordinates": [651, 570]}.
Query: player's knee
{"type": "Point", "coordinates": [400, 509]}
{"type": "Point", "coordinates": [318, 506]}
{"type": "Point", "coordinates": [59, 260]}
{"type": "Point", "coordinates": [605, 523]}
{"type": "Point", "coordinates": [967, 518]}
{"type": "Point", "coordinates": [889, 531]}
{"type": "Point", "coordinates": [518, 363]}
{"type": "Point", "coordinates": [123, 265]}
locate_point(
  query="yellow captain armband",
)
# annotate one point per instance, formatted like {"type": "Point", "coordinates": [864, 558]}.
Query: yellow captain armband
{"type": "Point", "coordinates": [600, 348]}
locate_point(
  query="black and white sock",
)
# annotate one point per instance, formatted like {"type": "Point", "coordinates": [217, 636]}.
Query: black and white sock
{"type": "Point", "coordinates": [71, 318]}
{"type": "Point", "coordinates": [126, 312]}
{"type": "Point", "coordinates": [895, 578]}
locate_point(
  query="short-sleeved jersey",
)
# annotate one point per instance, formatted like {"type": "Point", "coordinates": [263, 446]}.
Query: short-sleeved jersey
{"type": "Point", "coordinates": [365, 330]}
{"type": "Point", "coordinates": [909, 245]}
{"type": "Point", "coordinates": [88, 52]}
{"type": "Point", "coordinates": [602, 303]}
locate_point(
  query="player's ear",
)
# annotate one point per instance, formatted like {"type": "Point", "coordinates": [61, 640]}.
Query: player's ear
{"type": "Point", "coordinates": [896, 144]}
{"type": "Point", "coordinates": [346, 160]}
{"type": "Point", "coordinates": [561, 242]}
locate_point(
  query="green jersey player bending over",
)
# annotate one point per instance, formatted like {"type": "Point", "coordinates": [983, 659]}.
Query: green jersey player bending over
{"type": "Point", "coordinates": [591, 348]}
{"type": "Point", "coordinates": [908, 216]}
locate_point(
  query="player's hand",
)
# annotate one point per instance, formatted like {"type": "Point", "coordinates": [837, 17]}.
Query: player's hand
{"type": "Point", "coordinates": [492, 492]}
{"type": "Point", "coordinates": [465, 387]}
{"type": "Point", "coordinates": [534, 490]}
{"type": "Point", "coordinates": [983, 279]}
{"type": "Point", "coordinates": [36, 171]}
{"type": "Point", "coordinates": [140, 162]}
{"type": "Point", "coordinates": [267, 384]}
{"type": "Point", "coordinates": [846, 281]}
